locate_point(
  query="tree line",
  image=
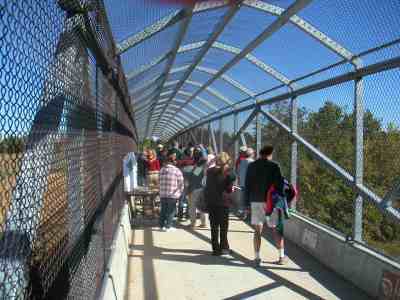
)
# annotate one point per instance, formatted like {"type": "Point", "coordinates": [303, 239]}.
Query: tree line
{"type": "Point", "coordinates": [324, 196]}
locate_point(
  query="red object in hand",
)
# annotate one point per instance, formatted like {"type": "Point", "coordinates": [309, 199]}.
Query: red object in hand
{"type": "Point", "coordinates": [269, 204]}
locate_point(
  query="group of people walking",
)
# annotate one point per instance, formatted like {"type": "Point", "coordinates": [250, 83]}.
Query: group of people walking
{"type": "Point", "coordinates": [207, 181]}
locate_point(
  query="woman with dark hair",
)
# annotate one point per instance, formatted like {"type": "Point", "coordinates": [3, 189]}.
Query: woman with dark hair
{"type": "Point", "coordinates": [219, 184]}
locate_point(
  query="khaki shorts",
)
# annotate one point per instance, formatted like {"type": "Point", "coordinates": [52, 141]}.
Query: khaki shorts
{"type": "Point", "coordinates": [273, 219]}
{"type": "Point", "coordinates": [258, 216]}
{"type": "Point", "coordinates": [257, 213]}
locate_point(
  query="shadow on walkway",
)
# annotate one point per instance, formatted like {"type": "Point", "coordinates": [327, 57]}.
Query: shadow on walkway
{"type": "Point", "coordinates": [325, 277]}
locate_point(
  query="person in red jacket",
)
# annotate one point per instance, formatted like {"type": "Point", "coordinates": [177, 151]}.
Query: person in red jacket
{"type": "Point", "coordinates": [153, 170]}
{"type": "Point", "coordinates": [242, 156]}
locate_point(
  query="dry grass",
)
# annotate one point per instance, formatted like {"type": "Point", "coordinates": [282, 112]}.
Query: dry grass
{"type": "Point", "coordinates": [53, 225]}
{"type": "Point", "coordinates": [9, 166]}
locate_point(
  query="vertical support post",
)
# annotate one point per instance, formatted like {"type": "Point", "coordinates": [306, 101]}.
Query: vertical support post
{"type": "Point", "coordinates": [192, 135]}
{"type": "Point", "coordinates": [221, 136]}
{"type": "Point", "coordinates": [201, 135]}
{"type": "Point", "coordinates": [235, 129]}
{"type": "Point", "coordinates": [213, 139]}
{"type": "Point", "coordinates": [209, 142]}
{"type": "Point", "coordinates": [293, 150]}
{"type": "Point", "coordinates": [258, 133]}
{"type": "Point", "coordinates": [359, 156]}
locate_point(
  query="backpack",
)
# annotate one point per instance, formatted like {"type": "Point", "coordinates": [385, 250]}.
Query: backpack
{"type": "Point", "coordinates": [275, 200]}
{"type": "Point", "coordinates": [289, 190]}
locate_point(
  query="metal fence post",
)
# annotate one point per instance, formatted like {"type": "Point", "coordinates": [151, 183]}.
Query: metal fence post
{"type": "Point", "coordinates": [359, 156]}
{"type": "Point", "coordinates": [201, 135]}
{"type": "Point", "coordinates": [221, 136]}
{"type": "Point", "coordinates": [209, 141]}
{"type": "Point", "coordinates": [213, 140]}
{"type": "Point", "coordinates": [235, 129]}
{"type": "Point", "coordinates": [293, 152]}
{"type": "Point", "coordinates": [258, 133]}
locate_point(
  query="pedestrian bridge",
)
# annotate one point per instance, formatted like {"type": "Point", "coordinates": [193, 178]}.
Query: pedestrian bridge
{"type": "Point", "coordinates": [178, 265]}
{"type": "Point", "coordinates": [84, 83]}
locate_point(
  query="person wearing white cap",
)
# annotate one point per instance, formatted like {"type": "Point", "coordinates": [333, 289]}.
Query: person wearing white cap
{"type": "Point", "coordinates": [242, 155]}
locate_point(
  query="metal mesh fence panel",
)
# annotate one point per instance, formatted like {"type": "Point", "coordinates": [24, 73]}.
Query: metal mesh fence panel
{"type": "Point", "coordinates": [346, 120]}
{"type": "Point", "coordinates": [64, 128]}
{"type": "Point", "coordinates": [381, 159]}
{"type": "Point", "coordinates": [323, 196]}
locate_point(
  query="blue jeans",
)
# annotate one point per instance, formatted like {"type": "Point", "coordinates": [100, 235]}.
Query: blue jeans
{"type": "Point", "coordinates": [167, 213]}
{"type": "Point", "coordinates": [182, 201]}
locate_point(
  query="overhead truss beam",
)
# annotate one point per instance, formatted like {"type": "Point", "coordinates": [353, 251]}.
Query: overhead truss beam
{"type": "Point", "coordinates": [164, 23]}
{"type": "Point", "coordinates": [205, 48]}
{"type": "Point", "coordinates": [259, 5]}
{"type": "Point", "coordinates": [307, 28]}
{"type": "Point", "coordinates": [171, 60]}
{"type": "Point", "coordinates": [271, 29]}
{"type": "Point", "coordinates": [382, 66]}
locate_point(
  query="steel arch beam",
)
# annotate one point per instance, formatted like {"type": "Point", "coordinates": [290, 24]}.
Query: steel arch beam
{"type": "Point", "coordinates": [184, 93]}
{"type": "Point", "coordinates": [309, 29]}
{"type": "Point", "coordinates": [235, 6]}
{"type": "Point", "coordinates": [270, 30]}
{"type": "Point", "coordinates": [139, 89]}
{"type": "Point", "coordinates": [228, 79]}
{"type": "Point", "coordinates": [199, 84]}
{"type": "Point", "coordinates": [198, 109]}
{"type": "Point", "coordinates": [184, 121]}
{"type": "Point", "coordinates": [209, 90]}
{"type": "Point", "coordinates": [165, 137]}
{"type": "Point", "coordinates": [187, 113]}
{"type": "Point", "coordinates": [146, 67]}
{"type": "Point", "coordinates": [190, 113]}
{"type": "Point", "coordinates": [187, 94]}
{"type": "Point", "coordinates": [382, 66]}
{"type": "Point", "coordinates": [179, 123]}
{"type": "Point", "coordinates": [255, 4]}
{"type": "Point", "coordinates": [144, 107]}
{"type": "Point", "coordinates": [213, 92]}
{"type": "Point", "coordinates": [223, 47]}
{"type": "Point", "coordinates": [149, 93]}
{"type": "Point", "coordinates": [168, 131]}
{"type": "Point", "coordinates": [302, 25]}
{"type": "Point", "coordinates": [182, 32]}
{"type": "Point", "coordinates": [174, 126]}
{"type": "Point", "coordinates": [234, 50]}
{"type": "Point", "coordinates": [217, 45]}
{"type": "Point", "coordinates": [164, 23]}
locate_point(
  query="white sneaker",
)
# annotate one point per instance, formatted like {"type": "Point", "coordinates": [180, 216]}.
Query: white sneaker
{"type": "Point", "coordinates": [171, 229]}
{"type": "Point", "coordinates": [163, 229]}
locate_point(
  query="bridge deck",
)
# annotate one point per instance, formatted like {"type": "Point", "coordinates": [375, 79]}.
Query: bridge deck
{"type": "Point", "coordinates": [178, 265]}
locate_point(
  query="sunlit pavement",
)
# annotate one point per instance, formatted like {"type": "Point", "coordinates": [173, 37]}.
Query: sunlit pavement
{"type": "Point", "coordinates": [178, 265]}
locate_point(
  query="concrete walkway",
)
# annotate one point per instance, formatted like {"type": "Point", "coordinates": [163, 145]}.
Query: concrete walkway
{"type": "Point", "coordinates": [177, 265]}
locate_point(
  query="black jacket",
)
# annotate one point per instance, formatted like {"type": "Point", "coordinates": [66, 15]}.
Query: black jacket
{"type": "Point", "coordinates": [261, 174]}
{"type": "Point", "coordinates": [216, 184]}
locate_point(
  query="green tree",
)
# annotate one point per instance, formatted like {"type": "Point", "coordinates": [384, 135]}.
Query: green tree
{"type": "Point", "coordinates": [324, 196]}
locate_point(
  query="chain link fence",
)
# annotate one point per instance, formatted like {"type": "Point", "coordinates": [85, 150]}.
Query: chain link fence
{"type": "Point", "coordinates": [346, 124]}
{"type": "Point", "coordinates": [64, 129]}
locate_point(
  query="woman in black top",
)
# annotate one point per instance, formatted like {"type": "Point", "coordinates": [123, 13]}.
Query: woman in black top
{"type": "Point", "coordinates": [218, 185]}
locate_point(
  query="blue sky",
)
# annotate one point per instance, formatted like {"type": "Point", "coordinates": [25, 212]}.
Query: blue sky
{"type": "Point", "coordinates": [357, 25]}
